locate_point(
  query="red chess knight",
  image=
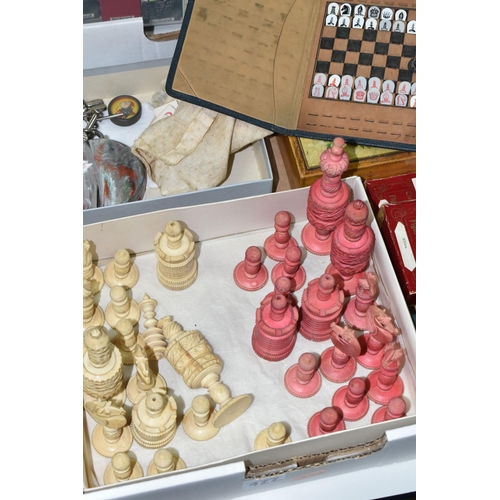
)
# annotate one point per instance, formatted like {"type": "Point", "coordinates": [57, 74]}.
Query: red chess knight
{"type": "Point", "coordinates": [385, 383]}
{"type": "Point", "coordinates": [366, 292]}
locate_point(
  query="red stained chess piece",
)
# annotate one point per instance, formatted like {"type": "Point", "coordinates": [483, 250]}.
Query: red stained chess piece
{"type": "Point", "coordinates": [324, 422]}
{"type": "Point", "coordinates": [251, 274]}
{"type": "Point", "coordinates": [351, 400]}
{"type": "Point", "coordinates": [366, 291]}
{"type": "Point", "coordinates": [275, 245]}
{"type": "Point", "coordinates": [385, 383]}
{"type": "Point", "coordinates": [303, 379]}
{"type": "Point", "coordinates": [327, 200]}
{"type": "Point", "coordinates": [396, 408]}
{"type": "Point", "coordinates": [321, 305]}
{"type": "Point", "coordinates": [381, 331]}
{"type": "Point", "coordinates": [352, 246]}
{"type": "Point", "coordinates": [275, 331]}
{"type": "Point", "coordinates": [282, 285]}
{"type": "Point", "coordinates": [338, 363]}
{"type": "Point", "coordinates": [291, 268]}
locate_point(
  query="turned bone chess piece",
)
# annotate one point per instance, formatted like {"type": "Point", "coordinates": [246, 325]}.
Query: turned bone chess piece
{"type": "Point", "coordinates": [154, 419]}
{"type": "Point", "coordinates": [152, 335]}
{"type": "Point", "coordinates": [165, 461]}
{"type": "Point", "coordinates": [90, 271]}
{"type": "Point", "coordinates": [275, 331]}
{"type": "Point", "coordinates": [302, 379]}
{"type": "Point", "coordinates": [351, 400]}
{"type": "Point", "coordinates": [121, 270]}
{"type": "Point", "coordinates": [122, 468]}
{"type": "Point", "coordinates": [291, 268]}
{"type": "Point", "coordinates": [352, 247]}
{"type": "Point", "coordinates": [274, 435]}
{"type": "Point", "coordinates": [93, 315]}
{"type": "Point", "coordinates": [251, 274]}
{"type": "Point", "coordinates": [366, 292]}
{"type": "Point", "coordinates": [177, 267]}
{"type": "Point", "coordinates": [326, 421]}
{"type": "Point", "coordinates": [385, 383]}
{"type": "Point", "coordinates": [283, 286]}
{"type": "Point", "coordinates": [381, 331]}
{"type": "Point", "coordinates": [321, 305]}
{"type": "Point", "coordinates": [111, 434]}
{"type": "Point", "coordinates": [327, 200]}
{"type": "Point", "coordinates": [126, 340]}
{"type": "Point", "coordinates": [121, 306]}
{"type": "Point", "coordinates": [275, 245]}
{"type": "Point", "coordinates": [192, 357]}
{"type": "Point", "coordinates": [396, 408]}
{"type": "Point", "coordinates": [102, 367]}
{"type": "Point", "coordinates": [338, 363]}
{"type": "Point", "coordinates": [144, 379]}
{"type": "Point", "coordinates": [198, 421]}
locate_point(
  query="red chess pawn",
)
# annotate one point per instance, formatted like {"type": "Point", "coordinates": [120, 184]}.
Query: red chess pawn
{"type": "Point", "coordinates": [352, 246]}
{"type": "Point", "coordinates": [338, 363]}
{"type": "Point", "coordinates": [275, 245]}
{"type": "Point", "coordinates": [322, 304]}
{"type": "Point", "coordinates": [385, 383]}
{"type": "Point", "coordinates": [302, 379]}
{"type": "Point", "coordinates": [327, 200]}
{"type": "Point", "coordinates": [352, 400]}
{"type": "Point", "coordinates": [275, 331]}
{"type": "Point", "coordinates": [366, 291]}
{"type": "Point", "coordinates": [396, 408]}
{"type": "Point", "coordinates": [381, 331]}
{"type": "Point", "coordinates": [251, 274]}
{"type": "Point", "coordinates": [283, 285]}
{"type": "Point", "coordinates": [324, 422]}
{"type": "Point", "coordinates": [291, 268]}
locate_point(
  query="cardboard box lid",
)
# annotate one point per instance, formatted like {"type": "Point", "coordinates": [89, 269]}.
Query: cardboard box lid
{"type": "Point", "coordinates": [256, 61]}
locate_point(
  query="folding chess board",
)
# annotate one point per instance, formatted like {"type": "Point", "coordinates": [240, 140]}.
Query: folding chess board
{"type": "Point", "coordinates": [311, 68]}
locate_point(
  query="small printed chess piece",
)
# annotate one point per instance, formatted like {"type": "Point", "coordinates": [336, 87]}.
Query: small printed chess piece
{"type": "Point", "coordinates": [338, 363]}
{"type": "Point", "coordinates": [176, 267]}
{"type": "Point", "coordinates": [385, 383]}
{"type": "Point", "coordinates": [144, 379]}
{"type": "Point", "coordinates": [251, 274]}
{"type": "Point", "coordinates": [126, 340]}
{"type": "Point", "coordinates": [122, 468]}
{"type": "Point", "coordinates": [326, 421]}
{"type": "Point", "coordinates": [291, 268]}
{"type": "Point", "coordinates": [202, 371]}
{"type": "Point", "coordinates": [366, 292]}
{"type": "Point", "coordinates": [302, 379]}
{"type": "Point", "coordinates": [153, 334]}
{"type": "Point", "coordinates": [165, 461]}
{"type": "Point", "coordinates": [351, 400]}
{"type": "Point", "coordinates": [381, 331]}
{"type": "Point", "coordinates": [102, 367]}
{"type": "Point", "coordinates": [327, 200]}
{"type": "Point", "coordinates": [275, 245]}
{"type": "Point", "coordinates": [93, 315]}
{"type": "Point", "coordinates": [121, 270]}
{"type": "Point", "coordinates": [275, 331]}
{"type": "Point", "coordinates": [111, 434]}
{"type": "Point", "coordinates": [154, 419]}
{"type": "Point", "coordinates": [121, 306]}
{"type": "Point", "coordinates": [90, 271]}
{"type": "Point", "coordinates": [352, 246]}
{"type": "Point", "coordinates": [321, 306]}
{"type": "Point", "coordinates": [396, 408]}
{"type": "Point", "coordinates": [274, 435]}
{"type": "Point", "coordinates": [198, 421]}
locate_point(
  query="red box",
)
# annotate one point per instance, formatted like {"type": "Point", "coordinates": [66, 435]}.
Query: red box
{"type": "Point", "coordinates": [399, 230]}
{"type": "Point", "coordinates": [120, 9]}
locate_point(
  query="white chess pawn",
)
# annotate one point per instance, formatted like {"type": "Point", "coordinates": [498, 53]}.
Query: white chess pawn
{"type": "Point", "coordinates": [165, 461]}
{"type": "Point", "coordinates": [90, 271]}
{"type": "Point", "coordinates": [121, 306]}
{"type": "Point", "coordinates": [93, 315]}
{"type": "Point", "coordinates": [121, 270]}
{"type": "Point", "coordinates": [122, 468]}
{"type": "Point", "coordinates": [274, 435]}
{"type": "Point", "coordinates": [198, 422]}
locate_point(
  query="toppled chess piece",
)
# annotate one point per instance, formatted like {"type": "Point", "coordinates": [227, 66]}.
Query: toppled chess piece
{"type": "Point", "coordinates": [250, 274]}
{"type": "Point", "coordinates": [177, 267]}
{"type": "Point", "coordinates": [152, 335]}
{"type": "Point", "coordinates": [198, 421]}
{"type": "Point", "coordinates": [111, 434]}
{"type": "Point", "coordinates": [93, 315]}
{"type": "Point", "coordinates": [302, 379]}
{"type": "Point", "coordinates": [327, 200]}
{"type": "Point", "coordinates": [396, 408]}
{"type": "Point", "coordinates": [121, 270]}
{"type": "Point", "coordinates": [90, 271]}
{"type": "Point", "coordinates": [192, 357]}
{"type": "Point", "coordinates": [275, 245]}
{"type": "Point", "coordinates": [122, 468]}
{"type": "Point", "coordinates": [366, 292]}
{"type": "Point", "coordinates": [274, 435]}
{"type": "Point", "coordinates": [326, 421]}
{"type": "Point", "coordinates": [351, 400]}
{"type": "Point", "coordinates": [385, 383]}
{"type": "Point", "coordinates": [291, 268]}
{"type": "Point", "coordinates": [121, 306]}
{"type": "Point", "coordinates": [165, 461]}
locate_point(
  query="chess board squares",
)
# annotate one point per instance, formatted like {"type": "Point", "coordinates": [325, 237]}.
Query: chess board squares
{"type": "Point", "coordinates": [326, 43]}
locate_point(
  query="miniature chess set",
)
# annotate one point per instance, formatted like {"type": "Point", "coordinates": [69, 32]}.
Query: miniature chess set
{"type": "Point", "coordinates": [201, 338]}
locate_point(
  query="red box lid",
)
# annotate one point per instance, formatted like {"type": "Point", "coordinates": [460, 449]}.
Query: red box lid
{"type": "Point", "coordinates": [391, 190]}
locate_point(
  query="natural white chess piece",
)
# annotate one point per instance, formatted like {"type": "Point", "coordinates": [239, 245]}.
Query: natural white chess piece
{"type": "Point", "coordinates": [90, 271]}
{"type": "Point", "coordinates": [122, 468]}
{"type": "Point", "coordinates": [274, 435]}
{"type": "Point", "coordinates": [198, 422]}
{"type": "Point", "coordinates": [121, 306]}
{"type": "Point", "coordinates": [93, 315]}
{"type": "Point", "coordinates": [121, 270]}
{"type": "Point", "coordinates": [165, 461]}
{"type": "Point", "coordinates": [152, 335]}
